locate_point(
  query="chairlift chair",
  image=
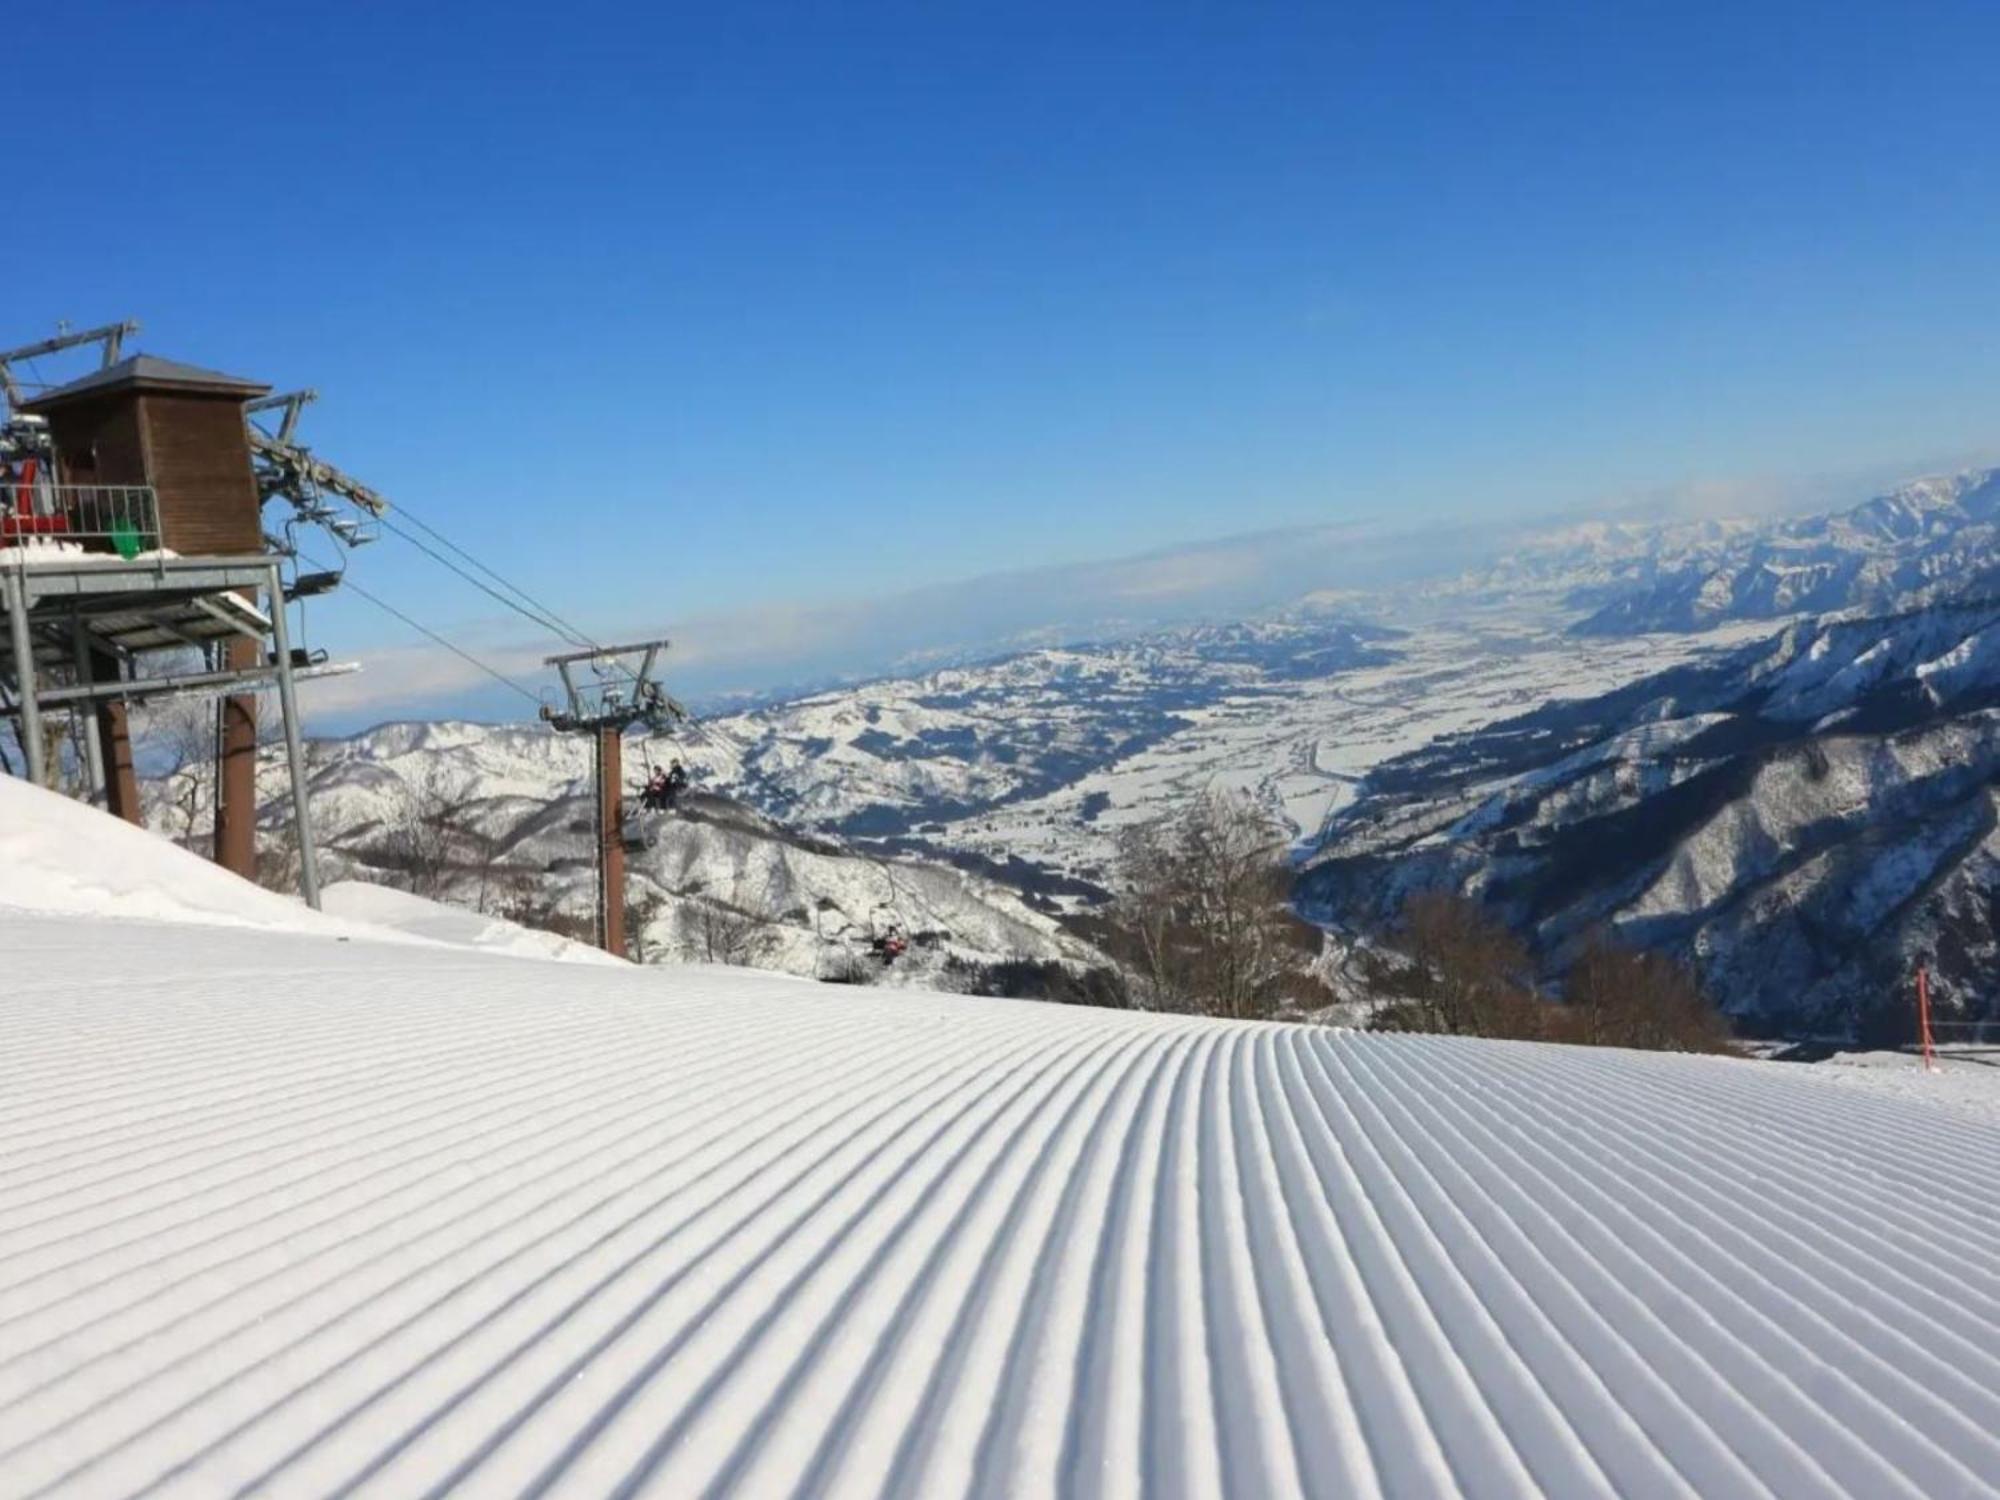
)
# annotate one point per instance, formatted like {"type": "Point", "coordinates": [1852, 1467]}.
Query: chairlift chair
{"type": "Point", "coordinates": [638, 828]}
{"type": "Point", "coordinates": [354, 531]}
{"type": "Point", "coordinates": [310, 585]}
{"type": "Point", "coordinates": [887, 941]}
{"type": "Point", "coordinates": [639, 823]}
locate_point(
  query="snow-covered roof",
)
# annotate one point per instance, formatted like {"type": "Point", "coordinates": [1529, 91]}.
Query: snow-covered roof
{"type": "Point", "coordinates": [291, 1211]}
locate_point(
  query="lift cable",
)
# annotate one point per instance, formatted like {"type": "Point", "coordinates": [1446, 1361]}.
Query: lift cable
{"type": "Point", "coordinates": [424, 526]}
{"type": "Point", "coordinates": [548, 622]}
{"type": "Point", "coordinates": [459, 651]}
{"type": "Point", "coordinates": [523, 603]}
{"type": "Point", "coordinates": [534, 610]}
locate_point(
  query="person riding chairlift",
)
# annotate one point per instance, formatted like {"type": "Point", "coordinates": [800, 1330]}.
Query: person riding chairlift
{"type": "Point", "coordinates": [891, 945]}
{"type": "Point", "coordinates": [663, 788]}
{"type": "Point", "coordinates": [653, 795]}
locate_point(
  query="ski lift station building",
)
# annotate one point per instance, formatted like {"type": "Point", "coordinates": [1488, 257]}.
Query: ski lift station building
{"type": "Point", "coordinates": [130, 525]}
{"type": "Point", "coordinates": [171, 428]}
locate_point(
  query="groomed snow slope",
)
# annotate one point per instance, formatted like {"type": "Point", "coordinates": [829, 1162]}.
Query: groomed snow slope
{"type": "Point", "coordinates": [384, 906]}
{"type": "Point", "coordinates": [285, 1214]}
{"type": "Point", "coordinates": [57, 855]}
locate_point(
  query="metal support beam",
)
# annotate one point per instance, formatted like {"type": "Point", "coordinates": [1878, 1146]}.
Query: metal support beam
{"type": "Point", "coordinates": [652, 648]}
{"type": "Point", "coordinates": [93, 752]}
{"type": "Point", "coordinates": [186, 685]}
{"type": "Point", "coordinates": [111, 336]}
{"type": "Point", "coordinates": [32, 747]}
{"type": "Point", "coordinates": [109, 575]}
{"type": "Point", "coordinates": [295, 755]}
{"type": "Point", "coordinates": [291, 403]}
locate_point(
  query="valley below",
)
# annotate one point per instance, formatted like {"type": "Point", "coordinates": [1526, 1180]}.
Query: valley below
{"type": "Point", "coordinates": [1793, 801]}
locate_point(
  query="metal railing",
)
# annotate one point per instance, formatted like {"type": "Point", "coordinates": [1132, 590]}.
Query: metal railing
{"type": "Point", "coordinates": [121, 519]}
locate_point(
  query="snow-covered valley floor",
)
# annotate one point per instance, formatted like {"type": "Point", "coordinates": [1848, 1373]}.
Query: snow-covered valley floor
{"type": "Point", "coordinates": [1301, 748]}
{"type": "Point", "coordinates": [298, 1212]}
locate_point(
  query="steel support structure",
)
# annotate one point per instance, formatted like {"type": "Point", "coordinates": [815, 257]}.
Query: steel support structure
{"type": "Point", "coordinates": [54, 594]}
{"type": "Point", "coordinates": [605, 712]}
{"type": "Point", "coordinates": [87, 725]}
{"type": "Point", "coordinates": [32, 747]}
{"type": "Point", "coordinates": [185, 685]}
{"type": "Point", "coordinates": [295, 754]}
{"type": "Point", "coordinates": [111, 336]}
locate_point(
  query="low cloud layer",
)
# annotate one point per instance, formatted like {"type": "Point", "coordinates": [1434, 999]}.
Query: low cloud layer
{"type": "Point", "coordinates": [791, 646]}
{"type": "Point", "coordinates": [795, 645]}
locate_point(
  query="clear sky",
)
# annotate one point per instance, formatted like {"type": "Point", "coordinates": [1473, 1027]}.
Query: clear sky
{"type": "Point", "coordinates": [722, 312]}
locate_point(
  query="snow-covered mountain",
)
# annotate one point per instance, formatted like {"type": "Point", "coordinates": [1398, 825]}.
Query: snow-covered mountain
{"type": "Point", "coordinates": [889, 757]}
{"type": "Point", "coordinates": [1884, 554]}
{"type": "Point", "coordinates": [1000, 787]}
{"type": "Point", "coordinates": [1806, 818]}
{"type": "Point", "coordinates": [1022, 770]}
{"type": "Point", "coordinates": [502, 818]}
{"type": "Point", "coordinates": [1624, 577]}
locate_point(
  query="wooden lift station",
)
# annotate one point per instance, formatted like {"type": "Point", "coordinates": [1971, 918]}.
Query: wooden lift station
{"type": "Point", "coordinates": [147, 537]}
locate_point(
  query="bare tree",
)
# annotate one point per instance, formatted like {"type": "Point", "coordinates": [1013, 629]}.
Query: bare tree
{"type": "Point", "coordinates": [176, 737]}
{"type": "Point", "coordinates": [641, 912]}
{"type": "Point", "coordinates": [724, 935]}
{"type": "Point", "coordinates": [522, 900]}
{"type": "Point", "coordinates": [278, 857]}
{"type": "Point", "coordinates": [435, 836]}
{"type": "Point", "coordinates": [1203, 922]}
{"type": "Point", "coordinates": [1461, 971]}
{"type": "Point", "coordinates": [175, 740]}
{"type": "Point", "coordinates": [1621, 997]}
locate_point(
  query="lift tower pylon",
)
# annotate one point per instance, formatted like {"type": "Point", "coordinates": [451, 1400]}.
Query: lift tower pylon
{"type": "Point", "coordinates": [614, 697]}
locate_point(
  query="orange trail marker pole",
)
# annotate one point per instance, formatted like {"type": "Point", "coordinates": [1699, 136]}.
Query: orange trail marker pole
{"type": "Point", "coordinates": [1924, 1019]}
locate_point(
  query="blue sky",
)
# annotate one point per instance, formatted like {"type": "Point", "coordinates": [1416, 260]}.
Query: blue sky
{"type": "Point", "coordinates": [757, 316]}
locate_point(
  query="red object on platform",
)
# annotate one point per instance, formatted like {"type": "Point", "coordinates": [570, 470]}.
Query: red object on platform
{"type": "Point", "coordinates": [33, 525]}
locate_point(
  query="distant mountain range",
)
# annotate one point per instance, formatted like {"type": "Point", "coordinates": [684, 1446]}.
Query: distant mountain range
{"type": "Point", "coordinates": [1807, 819]}
{"type": "Point", "coordinates": [1886, 554]}
{"type": "Point", "coordinates": [1578, 733]}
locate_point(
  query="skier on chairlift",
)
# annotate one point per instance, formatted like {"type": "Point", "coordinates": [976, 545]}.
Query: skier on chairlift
{"type": "Point", "coordinates": [653, 796]}
{"type": "Point", "coordinates": [891, 944]}
{"type": "Point", "coordinates": [663, 788]}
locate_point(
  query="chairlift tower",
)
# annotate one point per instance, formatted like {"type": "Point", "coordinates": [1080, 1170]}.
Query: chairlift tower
{"type": "Point", "coordinates": [605, 696]}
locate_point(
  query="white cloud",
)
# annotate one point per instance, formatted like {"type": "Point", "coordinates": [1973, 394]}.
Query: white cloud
{"type": "Point", "coordinates": [799, 643]}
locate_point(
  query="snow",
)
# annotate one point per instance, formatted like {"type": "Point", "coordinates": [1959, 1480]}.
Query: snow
{"type": "Point", "coordinates": [1300, 746]}
{"type": "Point", "coordinates": [40, 551]}
{"type": "Point", "coordinates": [46, 551]}
{"type": "Point", "coordinates": [61, 856]}
{"type": "Point", "coordinates": [291, 1215]}
{"type": "Point", "coordinates": [384, 906]}
{"type": "Point", "coordinates": [1965, 1081]}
